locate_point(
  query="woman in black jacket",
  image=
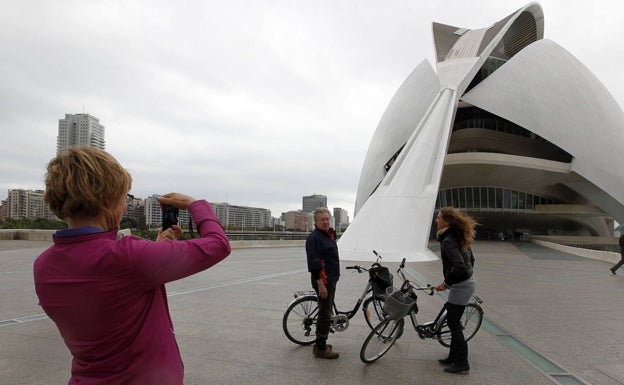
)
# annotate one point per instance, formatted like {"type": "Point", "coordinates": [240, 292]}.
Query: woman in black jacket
{"type": "Point", "coordinates": [455, 234]}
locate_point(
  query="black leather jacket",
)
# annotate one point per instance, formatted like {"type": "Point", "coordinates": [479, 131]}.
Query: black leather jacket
{"type": "Point", "coordinates": [456, 266]}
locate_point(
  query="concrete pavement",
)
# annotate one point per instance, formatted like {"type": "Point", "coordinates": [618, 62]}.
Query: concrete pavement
{"type": "Point", "coordinates": [551, 317]}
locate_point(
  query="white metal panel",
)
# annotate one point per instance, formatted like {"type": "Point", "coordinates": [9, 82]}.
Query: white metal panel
{"type": "Point", "coordinates": [546, 90]}
{"type": "Point", "coordinates": [396, 219]}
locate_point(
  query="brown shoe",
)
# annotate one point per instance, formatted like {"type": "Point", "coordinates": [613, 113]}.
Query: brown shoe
{"type": "Point", "coordinates": [326, 353]}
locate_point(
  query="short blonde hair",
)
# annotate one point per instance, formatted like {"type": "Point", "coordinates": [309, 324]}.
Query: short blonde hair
{"type": "Point", "coordinates": [82, 181]}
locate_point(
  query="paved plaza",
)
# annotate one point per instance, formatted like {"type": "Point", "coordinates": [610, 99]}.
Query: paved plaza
{"type": "Point", "coordinates": [550, 318]}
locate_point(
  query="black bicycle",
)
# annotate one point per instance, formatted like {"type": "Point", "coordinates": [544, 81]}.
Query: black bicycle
{"type": "Point", "coordinates": [398, 304]}
{"type": "Point", "coordinates": [299, 321]}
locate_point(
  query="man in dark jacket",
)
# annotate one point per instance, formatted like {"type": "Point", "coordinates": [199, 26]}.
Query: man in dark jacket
{"type": "Point", "coordinates": [324, 268]}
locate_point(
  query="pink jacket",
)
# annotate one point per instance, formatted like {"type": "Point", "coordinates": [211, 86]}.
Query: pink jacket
{"type": "Point", "coordinates": [107, 298]}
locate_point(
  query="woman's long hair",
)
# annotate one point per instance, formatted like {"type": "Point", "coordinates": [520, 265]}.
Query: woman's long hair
{"type": "Point", "coordinates": [462, 224]}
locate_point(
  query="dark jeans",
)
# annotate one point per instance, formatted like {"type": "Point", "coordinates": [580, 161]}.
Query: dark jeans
{"type": "Point", "coordinates": [617, 265]}
{"type": "Point", "coordinates": [324, 314]}
{"type": "Point", "coordinates": [459, 347]}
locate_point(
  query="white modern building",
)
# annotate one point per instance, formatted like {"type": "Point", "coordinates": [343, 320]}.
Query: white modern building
{"type": "Point", "coordinates": [509, 127]}
{"type": "Point", "coordinates": [80, 130]}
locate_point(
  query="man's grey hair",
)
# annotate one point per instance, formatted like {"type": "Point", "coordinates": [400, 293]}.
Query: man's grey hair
{"type": "Point", "coordinates": [319, 211]}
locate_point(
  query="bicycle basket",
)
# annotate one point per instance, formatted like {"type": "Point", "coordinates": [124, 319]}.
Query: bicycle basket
{"type": "Point", "coordinates": [397, 303]}
{"type": "Point", "coordinates": [380, 279]}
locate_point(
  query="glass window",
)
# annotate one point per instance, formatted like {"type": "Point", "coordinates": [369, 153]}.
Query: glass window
{"type": "Point", "coordinates": [449, 197]}
{"type": "Point", "coordinates": [521, 200]}
{"type": "Point", "coordinates": [462, 197]}
{"type": "Point", "coordinates": [484, 197]}
{"type": "Point", "coordinates": [497, 195]}
{"type": "Point", "coordinates": [469, 198]}
{"type": "Point", "coordinates": [455, 197]}
{"type": "Point", "coordinates": [491, 198]}
{"type": "Point", "coordinates": [507, 199]}
{"type": "Point", "coordinates": [514, 200]}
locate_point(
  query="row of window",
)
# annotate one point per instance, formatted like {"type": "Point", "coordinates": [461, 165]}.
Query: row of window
{"type": "Point", "coordinates": [490, 199]}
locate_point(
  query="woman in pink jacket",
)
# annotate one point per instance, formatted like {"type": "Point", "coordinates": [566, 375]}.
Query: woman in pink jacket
{"type": "Point", "coordinates": [107, 296]}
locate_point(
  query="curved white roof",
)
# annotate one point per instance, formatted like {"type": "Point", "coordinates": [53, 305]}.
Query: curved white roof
{"type": "Point", "coordinates": [549, 92]}
{"type": "Point", "coordinates": [541, 87]}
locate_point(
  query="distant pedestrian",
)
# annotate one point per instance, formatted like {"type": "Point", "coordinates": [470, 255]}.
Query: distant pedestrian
{"type": "Point", "coordinates": [617, 265]}
{"type": "Point", "coordinates": [456, 233]}
{"type": "Point", "coordinates": [324, 268]}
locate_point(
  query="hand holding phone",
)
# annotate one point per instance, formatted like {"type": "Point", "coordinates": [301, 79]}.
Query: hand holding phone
{"type": "Point", "coordinates": [169, 216]}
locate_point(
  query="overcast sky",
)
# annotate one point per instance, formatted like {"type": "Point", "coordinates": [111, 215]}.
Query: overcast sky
{"type": "Point", "coordinates": [254, 103]}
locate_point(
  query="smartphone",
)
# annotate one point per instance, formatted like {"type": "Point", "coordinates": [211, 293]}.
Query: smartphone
{"type": "Point", "coordinates": [170, 216]}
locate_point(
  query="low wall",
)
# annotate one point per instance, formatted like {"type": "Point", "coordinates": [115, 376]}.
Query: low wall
{"type": "Point", "coordinates": [607, 256]}
{"type": "Point", "coordinates": [35, 235]}
{"type": "Point", "coordinates": [46, 235]}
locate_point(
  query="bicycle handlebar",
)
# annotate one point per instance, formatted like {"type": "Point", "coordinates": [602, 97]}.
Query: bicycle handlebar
{"type": "Point", "coordinates": [360, 269]}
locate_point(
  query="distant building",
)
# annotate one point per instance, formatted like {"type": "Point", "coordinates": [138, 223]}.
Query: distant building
{"type": "Point", "coordinates": [135, 209]}
{"type": "Point", "coordinates": [79, 130]}
{"type": "Point", "coordinates": [242, 216]}
{"type": "Point", "coordinates": [27, 204]}
{"type": "Point", "coordinates": [341, 218]}
{"type": "Point", "coordinates": [312, 202]}
{"type": "Point", "coordinates": [3, 210]}
{"type": "Point", "coordinates": [298, 221]}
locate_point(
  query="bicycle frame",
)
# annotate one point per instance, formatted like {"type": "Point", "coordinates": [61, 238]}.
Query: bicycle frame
{"type": "Point", "coordinates": [340, 318]}
{"type": "Point", "coordinates": [427, 329]}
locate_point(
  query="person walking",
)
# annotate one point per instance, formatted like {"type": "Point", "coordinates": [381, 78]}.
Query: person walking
{"type": "Point", "coordinates": [324, 268]}
{"type": "Point", "coordinates": [456, 232]}
{"type": "Point", "coordinates": [621, 262]}
{"type": "Point", "coordinates": [106, 295]}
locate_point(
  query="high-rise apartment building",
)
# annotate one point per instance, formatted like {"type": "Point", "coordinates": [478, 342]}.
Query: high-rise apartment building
{"type": "Point", "coordinates": [314, 201]}
{"type": "Point", "coordinates": [341, 217]}
{"type": "Point", "coordinates": [242, 216]}
{"type": "Point", "coordinates": [27, 204]}
{"type": "Point", "coordinates": [80, 130]}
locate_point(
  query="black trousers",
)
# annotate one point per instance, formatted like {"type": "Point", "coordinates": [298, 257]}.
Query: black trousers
{"type": "Point", "coordinates": [459, 347]}
{"type": "Point", "coordinates": [620, 263]}
{"type": "Point", "coordinates": [324, 314]}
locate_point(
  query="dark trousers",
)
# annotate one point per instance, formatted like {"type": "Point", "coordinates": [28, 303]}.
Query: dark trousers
{"type": "Point", "coordinates": [619, 264]}
{"type": "Point", "coordinates": [459, 347]}
{"type": "Point", "coordinates": [324, 314]}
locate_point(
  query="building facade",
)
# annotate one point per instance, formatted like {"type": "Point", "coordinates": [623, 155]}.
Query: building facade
{"type": "Point", "coordinates": [312, 202]}
{"type": "Point", "coordinates": [511, 128]}
{"type": "Point", "coordinates": [80, 130]}
{"type": "Point", "coordinates": [27, 204]}
{"type": "Point", "coordinates": [341, 218]}
{"type": "Point", "coordinates": [242, 216]}
{"type": "Point", "coordinates": [298, 221]}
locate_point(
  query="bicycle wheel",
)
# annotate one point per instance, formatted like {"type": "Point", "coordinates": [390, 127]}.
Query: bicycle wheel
{"type": "Point", "coordinates": [380, 340]}
{"type": "Point", "coordinates": [299, 322]}
{"type": "Point", "coordinates": [373, 310]}
{"type": "Point", "coordinates": [471, 322]}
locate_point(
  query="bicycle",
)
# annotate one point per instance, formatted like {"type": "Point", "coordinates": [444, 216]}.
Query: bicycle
{"type": "Point", "coordinates": [299, 321]}
{"type": "Point", "coordinates": [402, 302]}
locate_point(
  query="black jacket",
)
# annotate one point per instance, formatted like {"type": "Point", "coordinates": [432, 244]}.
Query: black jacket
{"type": "Point", "coordinates": [322, 253]}
{"type": "Point", "coordinates": [456, 266]}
